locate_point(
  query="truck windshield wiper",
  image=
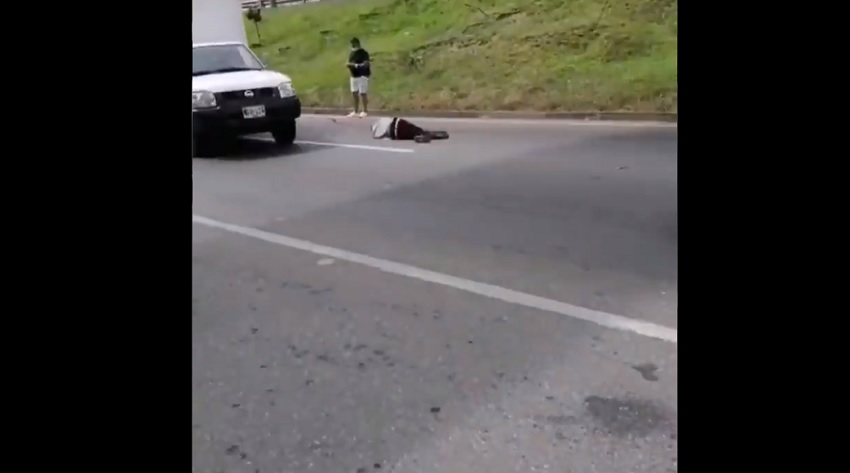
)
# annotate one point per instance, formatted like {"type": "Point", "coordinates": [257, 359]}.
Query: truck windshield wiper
{"type": "Point", "coordinates": [225, 69]}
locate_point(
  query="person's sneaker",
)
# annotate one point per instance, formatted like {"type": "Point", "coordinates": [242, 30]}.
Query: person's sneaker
{"type": "Point", "coordinates": [363, 114]}
{"type": "Point", "coordinates": [352, 115]}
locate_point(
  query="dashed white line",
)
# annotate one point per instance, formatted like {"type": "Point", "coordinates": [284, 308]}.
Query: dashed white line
{"type": "Point", "coordinates": [604, 319]}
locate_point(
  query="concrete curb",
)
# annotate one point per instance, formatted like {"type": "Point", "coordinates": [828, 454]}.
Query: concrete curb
{"type": "Point", "coordinates": [596, 116]}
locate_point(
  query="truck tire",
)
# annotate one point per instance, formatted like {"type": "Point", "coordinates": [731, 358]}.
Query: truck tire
{"type": "Point", "coordinates": [200, 146]}
{"type": "Point", "coordinates": [284, 133]}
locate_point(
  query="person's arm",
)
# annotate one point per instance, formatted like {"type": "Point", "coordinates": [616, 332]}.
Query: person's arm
{"type": "Point", "coordinates": [366, 58]}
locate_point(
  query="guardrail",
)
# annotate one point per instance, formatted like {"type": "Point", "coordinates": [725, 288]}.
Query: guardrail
{"type": "Point", "coordinates": [246, 4]}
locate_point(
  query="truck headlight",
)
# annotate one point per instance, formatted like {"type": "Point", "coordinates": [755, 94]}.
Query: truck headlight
{"type": "Point", "coordinates": [203, 99]}
{"type": "Point", "coordinates": [286, 90]}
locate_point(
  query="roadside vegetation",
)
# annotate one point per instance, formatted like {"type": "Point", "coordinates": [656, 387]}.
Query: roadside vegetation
{"type": "Point", "coordinates": [541, 55]}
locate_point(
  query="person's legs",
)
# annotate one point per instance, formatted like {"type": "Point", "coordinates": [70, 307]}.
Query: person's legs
{"type": "Point", "coordinates": [363, 88]}
{"type": "Point", "coordinates": [355, 96]}
{"type": "Point", "coordinates": [364, 98]}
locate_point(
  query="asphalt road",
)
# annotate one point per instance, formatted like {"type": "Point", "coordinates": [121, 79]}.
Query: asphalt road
{"type": "Point", "coordinates": [472, 305]}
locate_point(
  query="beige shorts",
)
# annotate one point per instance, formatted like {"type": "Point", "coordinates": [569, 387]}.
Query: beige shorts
{"type": "Point", "coordinates": [360, 85]}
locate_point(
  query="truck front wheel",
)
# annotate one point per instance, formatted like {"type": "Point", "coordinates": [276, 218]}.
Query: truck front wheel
{"type": "Point", "coordinates": [199, 146]}
{"type": "Point", "coordinates": [284, 132]}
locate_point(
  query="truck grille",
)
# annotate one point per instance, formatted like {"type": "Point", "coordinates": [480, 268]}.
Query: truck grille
{"type": "Point", "coordinates": [239, 95]}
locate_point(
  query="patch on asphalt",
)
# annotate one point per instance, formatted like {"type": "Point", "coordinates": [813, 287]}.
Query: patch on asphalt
{"type": "Point", "coordinates": [647, 370]}
{"type": "Point", "coordinates": [627, 417]}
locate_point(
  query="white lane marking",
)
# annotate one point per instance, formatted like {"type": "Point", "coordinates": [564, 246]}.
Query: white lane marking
{"type": "Point", "coordinates": [555, 122]}
{"type": "Point", "coordinates": [617, 322]}
{"type": "Point", "coordinates": [344, 145]}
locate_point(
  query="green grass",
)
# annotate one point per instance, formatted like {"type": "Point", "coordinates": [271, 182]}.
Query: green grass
{"type": "Point", "coordinates": [543, 55]}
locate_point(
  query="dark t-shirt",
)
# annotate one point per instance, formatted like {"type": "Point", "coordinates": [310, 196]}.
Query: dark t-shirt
{"type": "Point", "coordinates": [359, 56]}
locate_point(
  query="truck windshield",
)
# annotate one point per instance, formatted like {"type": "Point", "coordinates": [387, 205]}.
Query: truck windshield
{"type": "Point", "coordinates": [223, 58]}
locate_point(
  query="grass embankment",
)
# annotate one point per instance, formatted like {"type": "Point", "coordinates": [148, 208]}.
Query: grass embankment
{"type": "Point", "coordinates": [544, 55]}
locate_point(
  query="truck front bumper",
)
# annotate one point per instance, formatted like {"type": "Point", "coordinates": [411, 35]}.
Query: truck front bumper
{"type": "Point", "coordinates": [228, 118]}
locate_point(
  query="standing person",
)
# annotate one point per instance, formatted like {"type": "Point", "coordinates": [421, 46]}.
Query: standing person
{"type": "Point", "coordinates": [358, 65]}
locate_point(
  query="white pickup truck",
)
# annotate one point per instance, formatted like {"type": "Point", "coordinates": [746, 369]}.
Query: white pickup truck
{"type": "Point", "coordinates": [233, 93]}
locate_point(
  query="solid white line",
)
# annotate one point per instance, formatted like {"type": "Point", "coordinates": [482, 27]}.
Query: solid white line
{"type": "Point", "coordinates": [617, 322]}
{"type": "Point", "coordinates": [343, 145]}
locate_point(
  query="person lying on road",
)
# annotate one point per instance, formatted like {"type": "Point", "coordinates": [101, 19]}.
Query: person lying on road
{"type": "Point", "coordinates": [396, 128]}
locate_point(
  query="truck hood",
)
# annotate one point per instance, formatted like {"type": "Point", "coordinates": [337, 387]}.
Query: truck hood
{"type": "Point", "coordinates": [241, 80]}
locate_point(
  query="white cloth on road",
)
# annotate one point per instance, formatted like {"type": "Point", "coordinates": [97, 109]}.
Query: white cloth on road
{"type": "Point", "coordinates": [381, 128]}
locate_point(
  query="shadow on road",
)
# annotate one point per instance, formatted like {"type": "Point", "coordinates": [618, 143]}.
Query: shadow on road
{"type": "Point", "coordinates": [249, 149]}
